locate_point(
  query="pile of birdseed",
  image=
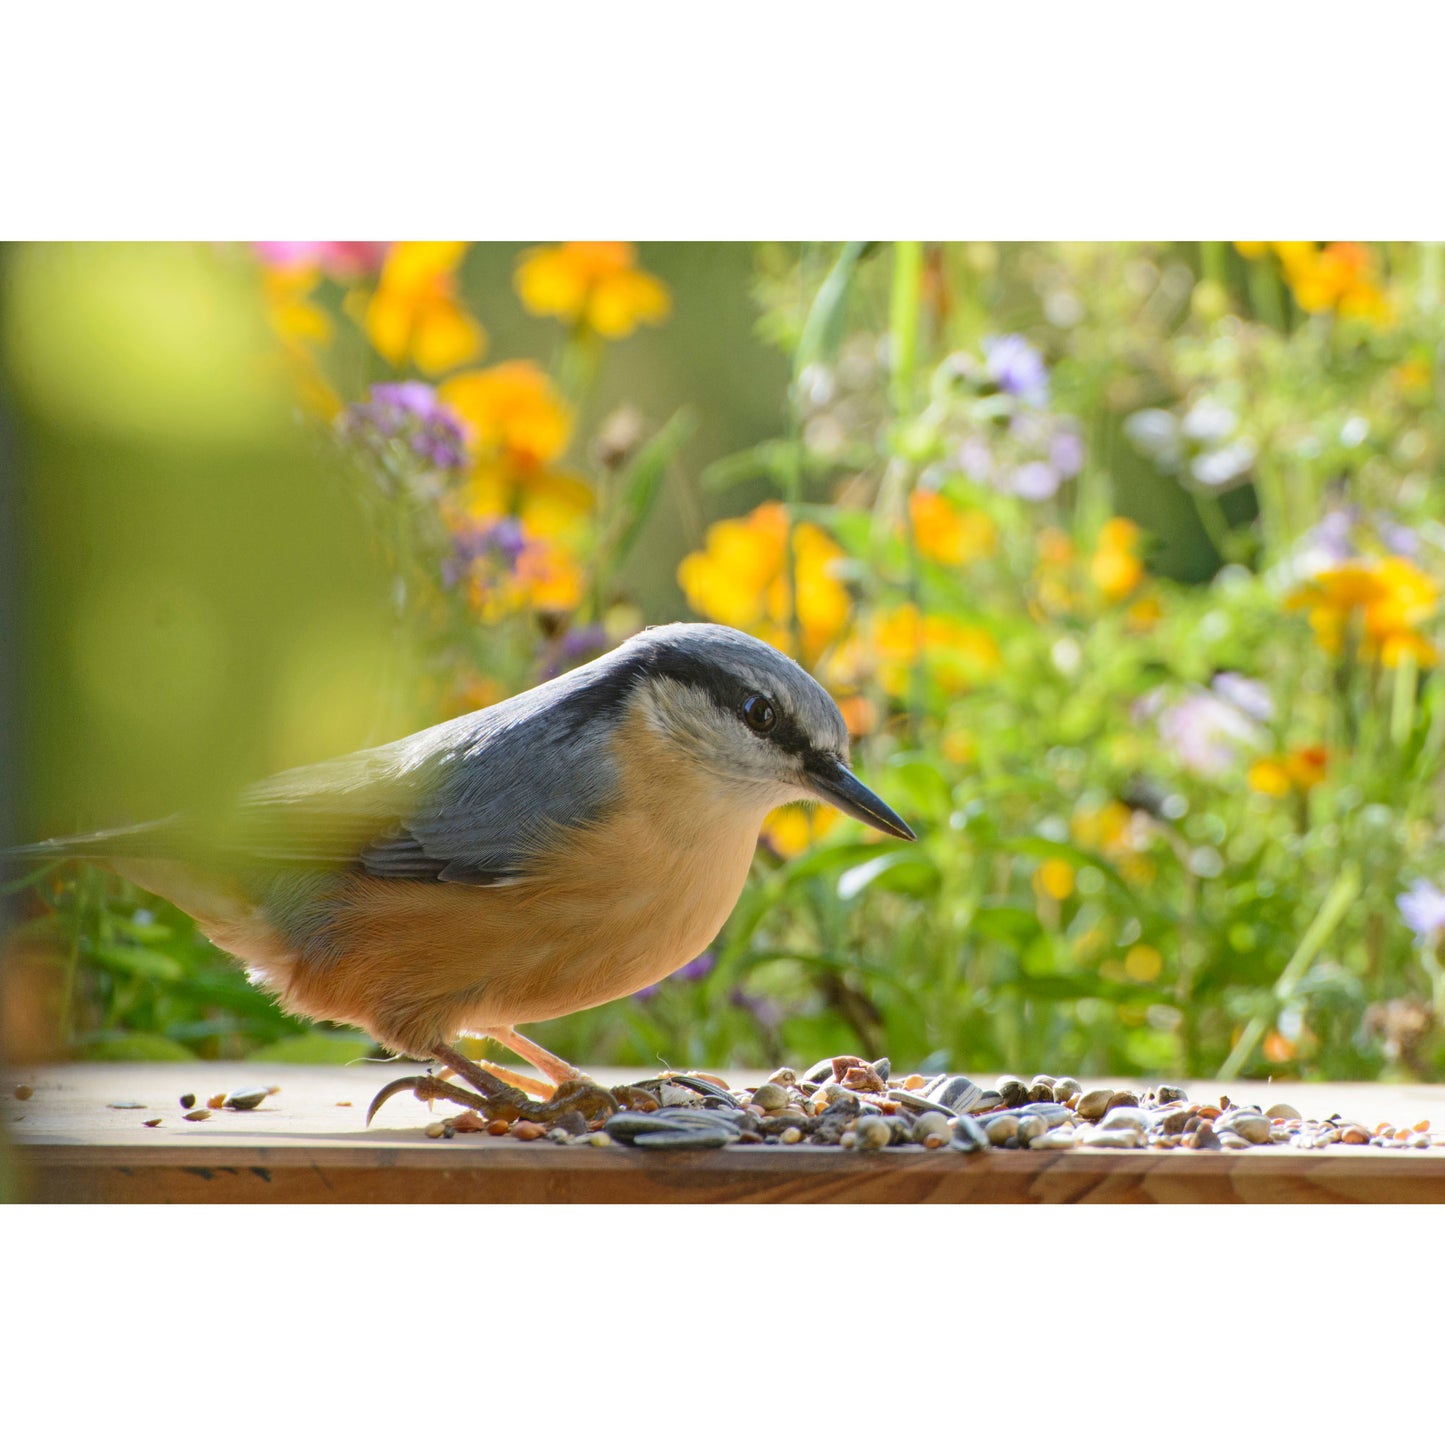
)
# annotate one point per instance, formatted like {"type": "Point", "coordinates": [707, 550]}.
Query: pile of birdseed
{"type": "Point", "coordinates": [848, 1103]}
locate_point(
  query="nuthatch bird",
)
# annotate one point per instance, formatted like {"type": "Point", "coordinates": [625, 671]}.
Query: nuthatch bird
{"type": "Point", "coordinates": [563, 848]}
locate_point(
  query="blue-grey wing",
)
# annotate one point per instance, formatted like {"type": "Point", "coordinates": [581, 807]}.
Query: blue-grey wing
{"type": "Point", "coordinates": [470, 801]}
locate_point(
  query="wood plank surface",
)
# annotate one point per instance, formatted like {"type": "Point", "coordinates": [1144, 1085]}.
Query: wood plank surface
{"type": "Point", "coordinates": [309, 1144]}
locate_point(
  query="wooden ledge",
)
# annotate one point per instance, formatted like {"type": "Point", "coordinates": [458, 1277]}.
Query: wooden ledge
{"type": "Point", "coordinates": [299, 1146]}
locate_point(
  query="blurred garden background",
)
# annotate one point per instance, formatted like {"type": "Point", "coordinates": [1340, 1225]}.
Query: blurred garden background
{"type": "Point", "coordinates": [1123, 562]}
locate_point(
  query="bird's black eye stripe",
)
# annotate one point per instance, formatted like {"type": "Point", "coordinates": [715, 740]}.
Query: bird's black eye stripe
{"type": "Point", "coordinates": [759, 713]}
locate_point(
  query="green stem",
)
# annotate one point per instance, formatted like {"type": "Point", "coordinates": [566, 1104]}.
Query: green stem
{"type": "Point", "coordinates": [903, 321]}
{"type": "Point", "coordinates": [1214, 262]}
{"type": "Point", "coordinates": [1332, 910]}
{"type": "Point", "coordinates": [1216, 524]}
{"type": "Point", "coordinates": [1432, 274]}
{"type": "Point", "coordinates": [1402, 702]}
{"type": "Point", "coordinates": [1265, 297]}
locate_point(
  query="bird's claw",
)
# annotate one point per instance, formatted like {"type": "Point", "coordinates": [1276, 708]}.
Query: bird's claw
{"type": "Point", "coordinates": [576, 1095]}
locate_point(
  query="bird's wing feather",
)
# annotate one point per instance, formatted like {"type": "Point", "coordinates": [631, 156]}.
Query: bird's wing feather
{"type": "Point", "coordinates": [468, 801]}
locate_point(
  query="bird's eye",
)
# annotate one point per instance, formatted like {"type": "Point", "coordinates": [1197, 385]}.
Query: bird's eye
{"type": "Point", "coordinates": [760, 714]}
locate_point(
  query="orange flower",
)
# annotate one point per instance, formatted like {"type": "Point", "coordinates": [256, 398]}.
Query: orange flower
{"type": "Point", "coordinates": [414, 312]}
{"type": "Point", "coordinates": [512, 410]}
{"type": "Point", "coordinates": [952, 535]}
{"type": "Point", "coordinates": [740, 578]}
{"type": "Point", "coordinates": [1115, 565]}
{"type": "Point", "coordinates": [1281, 774]}
{"type": "Point", "coordinates": [1338, 277]}
{"type": "Point", "coordinates": [1382, 602]}
{"type": "Point", "coordinates": [520, 571]}
{"type": "Point", "coordinates": [594, 284]}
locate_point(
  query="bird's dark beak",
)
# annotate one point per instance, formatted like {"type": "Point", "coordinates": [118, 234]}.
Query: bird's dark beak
{"type": "Point", "coordinates": [830, 780]}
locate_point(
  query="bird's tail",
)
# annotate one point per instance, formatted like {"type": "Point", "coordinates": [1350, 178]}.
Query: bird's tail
{"type": "Point", "coordinates": [136, 838]}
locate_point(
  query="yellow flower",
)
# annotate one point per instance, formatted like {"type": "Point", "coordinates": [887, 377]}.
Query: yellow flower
{"type": "Point", "coordinates": [958, 655]}
{"type": "Point", "coordinates": [301, 326]}
{"type": "Point", "coordinates": [958, 746]}
{"type": "Point", "coordinates": [952, 535]}
{"type": "Point", "coordinates": [414, 312]}
{"type": "Point", "coordinates": [1143, 615]}
{"type": "Point", "coordinates": [513, 410]}
{"type": "Point", "coordinates": [1054, 878]}
{"type": "Point", "coordinates": [1118, 834]}
{"type": "Point", "coordinates": [1115, 565]}
{"type": "Point", "coordinates": [1143, 963]}
{"type": "Point", "coordinates": [740, 578]}
{"type": "Point", "coordinates": [1054, 574]}
{"type": "Point", "coordinates": [1108, 829]}
{"type": "Point", "coordinates": [293, 315]}
{"type": "Point", "coordinates": [1414, 378]}
{"type": "Point", "coordinates": [548, 503]}
{"type": "Point", "coordinates": [1269, 776]}
{"type": "Point", "coordinates": [595, 284]}
{"type": "Point", "coordinates": [1380, 602]}
{"type": "Point", "coordinates": [795, 827]}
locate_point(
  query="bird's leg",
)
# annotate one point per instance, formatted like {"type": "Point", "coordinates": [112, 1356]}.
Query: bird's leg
{"type": "Point", "coordinates": [558, 1070]}
{"type": "Point", "coordinates": [525, 1082]}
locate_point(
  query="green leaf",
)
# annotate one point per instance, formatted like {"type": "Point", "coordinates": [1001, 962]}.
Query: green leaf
{"type": "Point", "coordinates": [823, 330]}
{"type": "Point", "coordinates": [1004, 923]}
{"type": "Point", "coordinates": [841, 855]}
{"type": "Point", "coordinates": [644, 480]}
{"type": "Point", "coordinates": [137, 1048]}
{"type": "Point", "coordinates": [913, 873]}
{"type": "Point", "coordinates": [137, 961]}
{"type": "Point", "coordinates": [319, 1046]}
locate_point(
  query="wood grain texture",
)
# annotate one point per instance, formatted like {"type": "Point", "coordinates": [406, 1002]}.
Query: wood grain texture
{"type": "Point", "coordinates": [301, 1147]}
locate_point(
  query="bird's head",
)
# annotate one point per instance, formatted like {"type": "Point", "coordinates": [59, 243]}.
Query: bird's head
{"type": "Point", "coordinates": [750, 716]}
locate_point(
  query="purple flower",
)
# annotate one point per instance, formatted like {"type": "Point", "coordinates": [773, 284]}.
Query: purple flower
{"type": "Point", "coordinates": [1066, 453]}
{"type": "Point", "coordinates": [409, 409]}
{"type": "Point", "coordinates": [500, 544]}
{"type": "Point", "coordinates": [1402, 540]}
{"type": "Point", "coordinates": [1423, 909]}
{"type": "Point", "coordinates": [1203, 730]}
{"type": "Point", "coordinates": [577, 644]}
{"type": "Point", "coordinates": [975, 460]}
{"type": "Point", "coordinates": [700, 967]}
{"type": "Point", "coordinates": [1245, 693]}
{"type": "Point", "coordinates": [1035, 482]}
{"type": "Point", "coordinates": [766, 1012]}
{"type": "Point", "coordinates": [1017, 368]}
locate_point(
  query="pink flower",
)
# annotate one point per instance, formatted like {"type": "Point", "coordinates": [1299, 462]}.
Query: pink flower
{"type": "Point", "coordinates": [345, 260]}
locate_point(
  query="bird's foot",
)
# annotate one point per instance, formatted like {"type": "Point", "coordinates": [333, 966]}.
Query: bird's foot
{"type": "Point", "coordinates": [494, 1099]}
{"type": "Point", "coordinates": [427, 1087]}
